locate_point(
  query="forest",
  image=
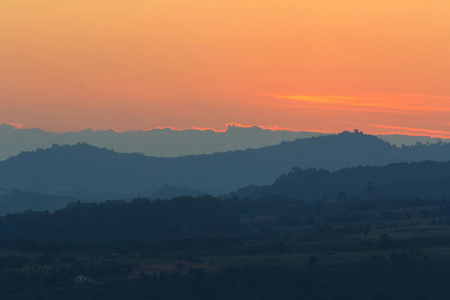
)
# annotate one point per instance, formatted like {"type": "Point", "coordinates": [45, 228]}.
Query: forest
{"type": "Point", "coordinates": [273, 247]}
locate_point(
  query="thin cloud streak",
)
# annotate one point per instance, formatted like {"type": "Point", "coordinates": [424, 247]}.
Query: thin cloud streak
{"type": "Point", "coordinates": [410, 103]}
{"type": "Point", "coordinates": [339, 108]}
{"type": "Point", "coordinates": [422, 130]}
{"type": "Point", "coordinates": [410, 114]}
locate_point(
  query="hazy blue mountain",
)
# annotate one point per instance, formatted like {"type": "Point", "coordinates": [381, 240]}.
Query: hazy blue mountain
{"type": "Point", "coordinates": [165, 142]}
{"type": "Point", "coordinates": [398, 180]}
{"type": "Point", "coordinates": [88, 172]}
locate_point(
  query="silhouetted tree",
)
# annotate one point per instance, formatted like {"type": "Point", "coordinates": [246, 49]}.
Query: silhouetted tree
{"type": "Point", "coordinates": [366, 229]}
{"type": "Point", "coordinates": [369, 189]}
{"type": "Point", "coordinates": [312, 261]}
{"type": "Point", "coordinates": [385, 241]}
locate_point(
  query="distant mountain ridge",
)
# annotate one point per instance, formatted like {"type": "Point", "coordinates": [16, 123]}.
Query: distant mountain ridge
{"type": "Point", "coordinates": [87, 172]}
{"type": "Point", "coordinates": [159, 142]}
{"type": "Point", "coordinates": [166, 142]}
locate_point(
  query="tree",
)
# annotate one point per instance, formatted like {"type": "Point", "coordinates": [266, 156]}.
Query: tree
{"type": "Point", "coordinates": [366, 229]}
{"type": "Point", "coordinates": [385, 241]}
{"type": "Point", "coordinates": [312, 261]}
{"type": "Point", "coordinates": [342, 196]}
{"type": "Point", "coordinates": [369, 189]}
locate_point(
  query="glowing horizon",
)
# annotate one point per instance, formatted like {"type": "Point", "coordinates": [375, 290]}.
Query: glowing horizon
{"type": "Point", "coordinates": [403, 130]}
{"type": "Point", "coordinates": [309, 66]}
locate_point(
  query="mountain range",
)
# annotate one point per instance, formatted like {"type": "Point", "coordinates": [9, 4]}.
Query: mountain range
{"type": "Point", "coordinates": [159, 142]}
{"type": "Point", "coordinates": [87, 172]}
{"type": "Point", "coordinates": [167, 142]}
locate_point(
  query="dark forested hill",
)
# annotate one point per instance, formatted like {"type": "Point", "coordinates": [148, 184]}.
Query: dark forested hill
{"type": "Point", "coordinates": [85, 171]}
{"type": "Point", "coordinates": [403, 180]}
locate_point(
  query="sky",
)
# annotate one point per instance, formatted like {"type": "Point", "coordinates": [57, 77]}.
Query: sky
{"type": "Point", "coordinates": [324, 65]}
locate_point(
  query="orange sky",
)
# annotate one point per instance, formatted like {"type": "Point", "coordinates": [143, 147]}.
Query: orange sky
{"type": "Point", "coordinates": [379, 66]}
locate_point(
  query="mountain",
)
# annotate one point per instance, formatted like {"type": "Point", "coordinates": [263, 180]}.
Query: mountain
{"type": "Point", "coordinates": [87, 172]}
{"type": "Point", "coordinates": [398, 180]}
{"type": "Point", "coordinates": [159, 142]}
{"type": "Point", "coordinates": [167, 142]}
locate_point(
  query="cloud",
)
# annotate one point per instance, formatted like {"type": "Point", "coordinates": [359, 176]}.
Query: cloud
{"type": "Point", "coordinates": [227, 126]}
{"type": "Point", "coordinates": [412, 114]}
{"type": "Point", "coordinates": [270, 127]}
{"type": "Point", "coordinates": [416, 131]}
{"type": "Point", "coordinates": [328, 107]}
{"type": "Point", "coordinates": [395, 103]}
{"type": "Point", "coordinates": [16, 126]}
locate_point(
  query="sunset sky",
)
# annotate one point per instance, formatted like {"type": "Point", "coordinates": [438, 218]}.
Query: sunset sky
{"type": "Point", "coordinates": [378, 66]}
